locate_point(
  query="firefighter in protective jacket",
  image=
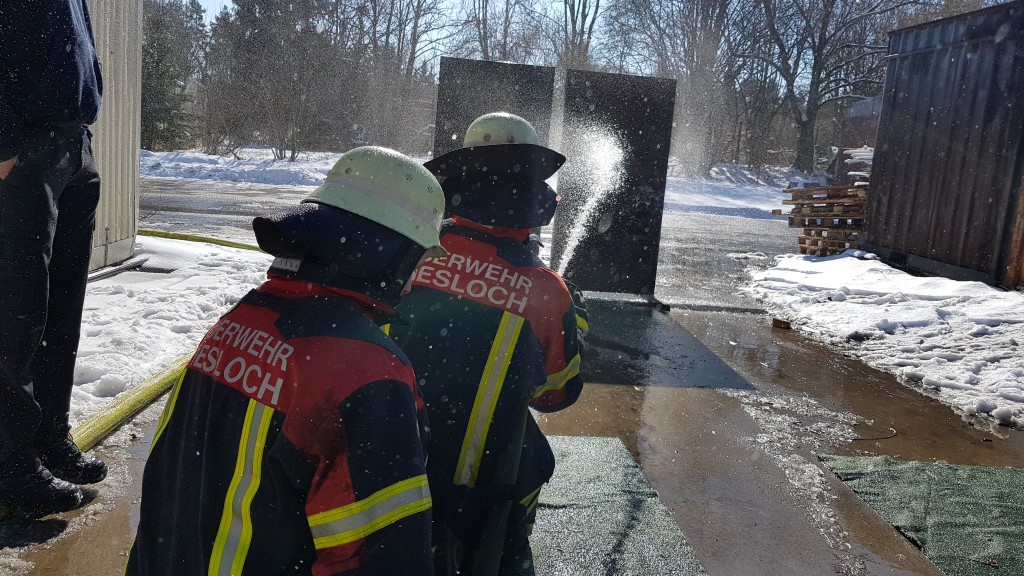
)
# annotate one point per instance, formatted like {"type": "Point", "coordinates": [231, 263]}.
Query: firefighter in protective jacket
{"type": "Point", "coordinates": [293, 443]}
{"type": "Point", "coordinates": [491, 331]}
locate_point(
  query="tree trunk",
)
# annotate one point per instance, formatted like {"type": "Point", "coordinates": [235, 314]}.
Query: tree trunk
{"type": "Point", "coordinates": [805, 161]}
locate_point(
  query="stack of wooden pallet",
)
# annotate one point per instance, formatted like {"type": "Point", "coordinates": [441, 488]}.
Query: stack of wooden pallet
{"type": "Point", "coordinates": [831, 218]}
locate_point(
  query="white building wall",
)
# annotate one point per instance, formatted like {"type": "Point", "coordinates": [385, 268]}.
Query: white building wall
{"type": "Point", "coordinates": [117, 27]}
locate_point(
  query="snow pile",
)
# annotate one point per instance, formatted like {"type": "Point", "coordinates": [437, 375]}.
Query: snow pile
{"type": "Point", "coordinates": [253, 165]}
{"type": "Point", "coordinates": [731, 190]}
{"type": "Point", "coordinates": [136, 323]}
{"type": "Point", "coordinates": [864, 156]}
{"type": "Point", "coordinates": [722, 197]}
{"type": "Point", "coordinates": [957, 340]}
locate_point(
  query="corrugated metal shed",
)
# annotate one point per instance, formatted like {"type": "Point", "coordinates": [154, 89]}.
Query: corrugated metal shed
{"type": "Point", "coordinates": [946, 193]}
{"type": "Point", "coordinates": [117, 27]}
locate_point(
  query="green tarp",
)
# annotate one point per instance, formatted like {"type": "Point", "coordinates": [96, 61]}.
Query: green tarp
{"type": "Point", "coordinates": [968, 520]}
{"type": "Point", "coordinates": [599, 516]}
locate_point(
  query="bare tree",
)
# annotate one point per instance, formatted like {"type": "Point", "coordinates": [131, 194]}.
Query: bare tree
{"type": "Point", "coordinates": [579, 18]}
{"type": "Point", "coordinates": [503, 30]}
{"type": "Point", "coordinates": [820, 51]}
{"type": "Point", "coordinates": [686, 40]}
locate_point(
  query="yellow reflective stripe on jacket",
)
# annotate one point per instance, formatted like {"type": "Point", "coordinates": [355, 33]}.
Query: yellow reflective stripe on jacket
{"type": "Point", "coordinates": [557, 380]}
{"type": "Point", "coordinates": [582, 323]}
{"type": "Point", "coordinates": [359, 519]}
{"type": "Point", "coordinates": [386, 329]}
{"type": "Point", "coordinates": [165, 416]}
{"type": "Point", "coordinates": [531, 500]}
{"type": "Point", "coordinates": [487, 398]}
{"type": "Point", "coordinates": [235, 532]}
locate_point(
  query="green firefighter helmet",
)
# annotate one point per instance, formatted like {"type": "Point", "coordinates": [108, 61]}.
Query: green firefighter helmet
{"type": "Point", "coordinates": [388, 188]}
{"type": "Point", "coordinates": [500, 128]}
{"type": "Point", "coordinates": [498, 145]}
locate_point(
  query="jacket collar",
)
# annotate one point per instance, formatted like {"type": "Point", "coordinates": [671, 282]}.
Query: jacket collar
{"type": "Point", "coordinates": [518, 234]}
{"type": "Point", "coordinates": [292, 288]}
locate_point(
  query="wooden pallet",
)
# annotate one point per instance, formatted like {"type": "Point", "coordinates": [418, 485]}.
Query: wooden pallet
{"type": "Point", "coordinates": [824, 246]}
{"type": "Point", "coordinates": [851, 201]}
{"type": "Point", "coordinates": [833, 210]}
{"type": "Point", "coordinates": [831, 218]}
{"type": "Point", "coordinates": [835, 223]}
{"type": "Point", "coordinates": [830, 193]}
{"type": "Point", "coordinates": [833, 233]}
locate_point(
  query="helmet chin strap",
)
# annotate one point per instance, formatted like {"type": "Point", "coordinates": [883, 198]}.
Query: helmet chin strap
{"type": "Point", "coordinates": [289, 264]}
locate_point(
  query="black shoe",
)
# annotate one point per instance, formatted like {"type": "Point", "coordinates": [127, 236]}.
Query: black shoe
{"type": "Point", "coordinates": [38, 495]}
{"type": "Point", "coordinates": [68, 463]}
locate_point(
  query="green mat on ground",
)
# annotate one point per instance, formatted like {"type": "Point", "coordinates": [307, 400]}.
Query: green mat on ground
{"type": "Point", "coordinates": [598, 515]}
{"type": "Point", "coordinates": [966, 519]}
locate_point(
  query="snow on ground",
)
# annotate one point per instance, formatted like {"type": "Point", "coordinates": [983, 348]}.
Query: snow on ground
{"type": "Point", "coordinates": [731, 190]}
{"type": "Point", "coordinates": [960, 341]}
{"type": "Point", "coordinates": [728, 190]}
{"type": "Point", "coordinates": [722, 198]}
{"type": "Point", "coordinates": [136, 323]}
{"type": "Point", "coordinates": [253, 165]}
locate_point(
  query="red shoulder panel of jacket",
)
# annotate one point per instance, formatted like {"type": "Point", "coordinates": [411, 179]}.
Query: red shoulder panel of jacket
{"type": "Point", "coordinates": [473, 270]}
{"type": "Point", "coordinates": [245, 351]}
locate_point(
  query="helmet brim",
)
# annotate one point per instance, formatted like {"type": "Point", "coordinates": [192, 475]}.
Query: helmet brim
{"type": "Point", "coordinates": [322, 231]}
{"type": "Point", "coordinates": [521, 161]}
{"type": "Point", "coordinates": [299, 231]}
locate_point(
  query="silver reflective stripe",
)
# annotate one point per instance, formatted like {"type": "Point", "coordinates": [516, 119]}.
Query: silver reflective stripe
{"type": "Point", "coordinates": [384, 193]}
{"type": "Point", "coordinates": [235, 533]}
{"type": "Point", "coordinates": [358, 519]}
{"type": "Point", "coordinates": [487, 398]}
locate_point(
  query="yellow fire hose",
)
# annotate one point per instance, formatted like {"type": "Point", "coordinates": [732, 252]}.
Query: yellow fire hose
{"type": "Point", "coordinates": [197, 238]}
{"type": "Point", "coordinates": [123, 408]}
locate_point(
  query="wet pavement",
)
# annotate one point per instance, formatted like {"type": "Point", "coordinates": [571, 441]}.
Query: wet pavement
{"type": "Point", "coordinates": [211, 208]}
{"type": "Point", "coordinates": [93, 540]}
{"type": "Point", "coordinates": [723, 413]}
{"type": "Point", "coordinates": [736, 466]}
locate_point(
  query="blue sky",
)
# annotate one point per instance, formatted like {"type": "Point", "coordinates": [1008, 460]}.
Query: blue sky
{"type": "Point", "coordinates": [213, 7]}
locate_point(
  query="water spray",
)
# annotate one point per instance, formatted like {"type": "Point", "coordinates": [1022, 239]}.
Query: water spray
{"type": "Point", "coordinates": [602, 174]}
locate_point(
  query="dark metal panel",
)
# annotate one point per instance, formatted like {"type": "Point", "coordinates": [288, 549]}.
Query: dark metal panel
{"type": "Point", "coordinates": [877, 206]}
{"type": "Point", "coordinates": [947, 172]}
{"type": "Point", "coordinates": [468, 89]}
{"type": "Point", "coordinates": [616, 135]}
{"type": "Point", "coordinates": [945, 149]}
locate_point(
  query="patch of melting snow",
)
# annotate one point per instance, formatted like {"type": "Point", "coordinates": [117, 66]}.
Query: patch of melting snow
{"type": "Point", "coordinates": [953, 340]}
{"type": "Point", "coordinates": [13, 566]}
{"type": "Point", "coordinates": [791, 425]}
{"type": "Point", "coordinates": [747, 256]}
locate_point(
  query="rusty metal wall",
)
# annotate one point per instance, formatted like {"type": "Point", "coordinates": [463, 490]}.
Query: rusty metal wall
{"type": "Point", "coordinates": [117, 27]}
{"type": "Point", "coordinates": [946, 180]}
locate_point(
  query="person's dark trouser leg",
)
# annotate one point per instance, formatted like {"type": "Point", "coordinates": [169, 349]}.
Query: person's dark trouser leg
{"type": "Point", "coordinates": [517, 558]}
{"type": "Point", "coordinates": [27, 221]}
{"type": "Point", "coordinates": [53, 366]}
